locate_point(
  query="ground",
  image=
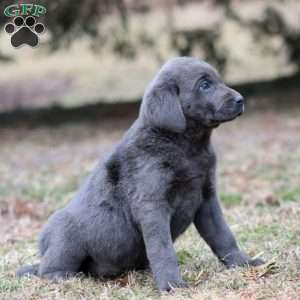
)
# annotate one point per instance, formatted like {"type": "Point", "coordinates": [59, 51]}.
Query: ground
{"type": "Point", "coordinates": [259, 174]}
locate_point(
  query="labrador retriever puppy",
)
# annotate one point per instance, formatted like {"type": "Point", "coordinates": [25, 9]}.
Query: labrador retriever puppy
{"type": "Point", "coordinates": [158, 180]}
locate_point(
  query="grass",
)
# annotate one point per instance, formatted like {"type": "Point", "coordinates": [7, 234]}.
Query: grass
{"type": "Point", "coordinates": [231, 199]}
{"type": "Point", "coordinates": [259, 173]}
{"type": "Point", "coordinates": [291, 195]}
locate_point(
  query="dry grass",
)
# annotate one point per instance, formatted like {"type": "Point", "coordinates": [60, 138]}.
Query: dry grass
{"type": "Point", "coordinates": [259, 160]}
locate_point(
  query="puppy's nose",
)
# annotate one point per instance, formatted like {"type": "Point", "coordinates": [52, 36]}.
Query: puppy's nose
{"type": "Point", "coordinates": [239, 100]}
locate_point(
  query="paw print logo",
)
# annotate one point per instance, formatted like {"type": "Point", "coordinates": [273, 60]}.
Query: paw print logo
{"type": "Point", "coordinates": [24, 31]}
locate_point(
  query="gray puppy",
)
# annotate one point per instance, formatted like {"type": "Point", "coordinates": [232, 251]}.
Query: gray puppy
{"type": "Point", "coordinates": [159, 179]}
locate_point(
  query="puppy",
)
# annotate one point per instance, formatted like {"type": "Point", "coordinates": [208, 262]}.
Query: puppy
{"type": "Point", "coordinates": [159, 179]}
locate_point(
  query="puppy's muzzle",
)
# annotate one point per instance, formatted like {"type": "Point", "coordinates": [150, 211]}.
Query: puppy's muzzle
{"type": "Point", "coordinates": [239, 102]}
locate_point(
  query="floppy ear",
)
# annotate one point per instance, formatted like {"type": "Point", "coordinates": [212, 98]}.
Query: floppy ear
{"type": "Point", "coordinates": [161, 108]}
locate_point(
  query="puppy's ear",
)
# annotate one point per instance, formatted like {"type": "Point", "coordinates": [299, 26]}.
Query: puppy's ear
{"type": "Point", "coordinates": [161, 108]}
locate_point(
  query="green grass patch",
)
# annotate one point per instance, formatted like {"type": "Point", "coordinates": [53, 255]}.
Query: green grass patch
{"type": "Point", "coordinates": [231, 199]}
{"type": "Point", "coordinates": [56, 195]}
{"type": "Point", "coordinates": [291, 195]}
{"type": "Point", "coordinates": [184, 257]}
{"type": "Point", "coordinates": [9, 285]}
{"type": "Point", "coordinates": [259, 233]}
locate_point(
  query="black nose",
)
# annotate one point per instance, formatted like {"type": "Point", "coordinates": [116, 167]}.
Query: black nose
{"type": "Point", "coordinates": [239, 100]}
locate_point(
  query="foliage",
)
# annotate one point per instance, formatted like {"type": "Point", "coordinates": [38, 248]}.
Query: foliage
{"type": "Point", "coordinates": [68, 20]}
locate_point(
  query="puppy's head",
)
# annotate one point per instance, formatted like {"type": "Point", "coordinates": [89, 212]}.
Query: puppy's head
{"type": "Point", "coordinates": [189, 89]}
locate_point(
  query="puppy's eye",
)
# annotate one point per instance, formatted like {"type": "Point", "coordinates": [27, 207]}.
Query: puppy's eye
{"type": "Point", "coordinates": [205, 85]}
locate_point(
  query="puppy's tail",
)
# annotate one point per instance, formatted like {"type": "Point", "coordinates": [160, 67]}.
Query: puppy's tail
{"type": "Point", "coordinates": [28, 270]}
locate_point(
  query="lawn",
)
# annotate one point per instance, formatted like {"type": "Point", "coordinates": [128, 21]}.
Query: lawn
{"type": "Point", "coordinates": [259, 180]}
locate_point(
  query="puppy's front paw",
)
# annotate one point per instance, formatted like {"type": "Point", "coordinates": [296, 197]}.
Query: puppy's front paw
{"type": "Point", "coordinates": [239, 258]}
{"type": "Point", "coordinates": [171, 285]}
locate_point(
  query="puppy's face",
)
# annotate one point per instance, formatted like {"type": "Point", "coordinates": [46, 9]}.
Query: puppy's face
{"type": "Point", "coordinates": [204, 98]}
{"type": "Point", "coordinates": [189, 89]}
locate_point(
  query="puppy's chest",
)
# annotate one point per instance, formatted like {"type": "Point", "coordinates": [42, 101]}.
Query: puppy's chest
{"type": "Point", "coordinates": [186, 196]}
{"type": "Point", "coordinates": [186, 189]}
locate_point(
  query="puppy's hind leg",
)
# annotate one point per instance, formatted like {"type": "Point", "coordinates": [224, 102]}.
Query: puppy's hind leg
{"type": "Point", "coordinates": [64, 253]}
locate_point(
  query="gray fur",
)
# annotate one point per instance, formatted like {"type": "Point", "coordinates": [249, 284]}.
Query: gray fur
{"type": "Point", "coordinates": [159, 179]}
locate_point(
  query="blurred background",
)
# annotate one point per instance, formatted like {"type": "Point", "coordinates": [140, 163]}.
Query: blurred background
{"type": "Point", "coordinates": [66, 102]}
{"type": "Point", "coordinates": [107, 51]}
